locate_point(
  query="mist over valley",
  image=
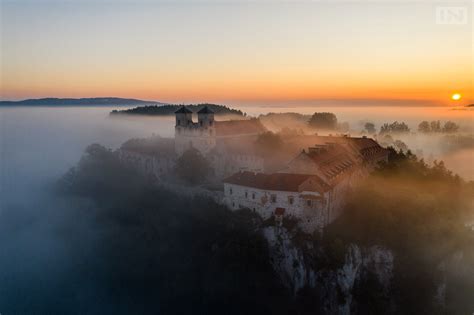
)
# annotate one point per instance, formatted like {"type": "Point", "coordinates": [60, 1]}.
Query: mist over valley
{"type": "Point", "coordinates": [101, 240]}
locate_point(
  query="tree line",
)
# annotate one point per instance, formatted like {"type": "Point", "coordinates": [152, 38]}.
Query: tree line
{"type": "Point", "coordinates": [328, 121]}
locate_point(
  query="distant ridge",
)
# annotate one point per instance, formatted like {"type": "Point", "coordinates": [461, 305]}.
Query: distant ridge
{"type": "Point", "coordinates": [169, 109]}
{"type": "Point", "coordinates": [94, 101]}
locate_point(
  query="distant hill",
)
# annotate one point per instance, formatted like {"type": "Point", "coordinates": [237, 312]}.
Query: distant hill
{"type": "Point", "coordinates": [165, 110]}
{"type": "Point", "coordinates": [470, 105]}
{"type": "Point", "coordinates": [103, 101]}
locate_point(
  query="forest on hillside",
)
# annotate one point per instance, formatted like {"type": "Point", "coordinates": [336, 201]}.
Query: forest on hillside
{"type": "Point", "coordinates": [167, 110]}
{"type": "Point", "coordinates": [150, 250]}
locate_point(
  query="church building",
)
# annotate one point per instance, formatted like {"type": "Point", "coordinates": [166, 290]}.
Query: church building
{"type": "Point", "coordinates": [206, 133]}
{"type": "Point", "coordinates": [312, 188]}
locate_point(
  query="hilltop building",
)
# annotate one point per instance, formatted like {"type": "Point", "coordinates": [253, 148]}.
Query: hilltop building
{"type": "Point", "coordinates": [312, 188]}
{"type": "Point", "coordinates": [335, 156]}
{"type": "Point", "coordinates": [303, 197]}
{"type": "Point", "coordinates": [224, 143]}
{"type": "Point", "coordinates": [206, 133]}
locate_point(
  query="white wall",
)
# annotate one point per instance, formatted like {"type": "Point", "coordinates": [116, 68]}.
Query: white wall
{"type": "Point", "coordinates": [310, 218]}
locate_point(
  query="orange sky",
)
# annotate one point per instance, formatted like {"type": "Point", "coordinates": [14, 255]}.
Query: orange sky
{"type": "Point", "coordinates": [249, 53]}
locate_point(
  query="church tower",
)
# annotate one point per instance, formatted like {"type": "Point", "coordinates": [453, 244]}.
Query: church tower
{"type": "Point", "coordinates": [207, 129]}
{"type": "Point", "coordinates": [182, 129]}
{"type": "Point", "coordinates": [206, 117]}
{"type": "Point", "coordinates": [184, 117]}
{"type": "Point", "coordinates": [200, 135]}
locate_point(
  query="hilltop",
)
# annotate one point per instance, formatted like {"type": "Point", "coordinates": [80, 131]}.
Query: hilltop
{"type": "Point", "coordinates": [93, 101]}
{"type": "Point", "coordinates": [164, 110]}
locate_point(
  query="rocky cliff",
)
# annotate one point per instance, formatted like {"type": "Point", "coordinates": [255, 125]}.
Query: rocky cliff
{"type": "Point", "coordinates": [336, 287]}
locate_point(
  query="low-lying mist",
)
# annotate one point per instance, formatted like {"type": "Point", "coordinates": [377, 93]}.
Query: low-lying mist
{"type": "Point", "coordinates": [70, 253]}
{"type": "Point", "coordinates": [47, 241]}
{"type": "Point", "coordinates": [455, 148]}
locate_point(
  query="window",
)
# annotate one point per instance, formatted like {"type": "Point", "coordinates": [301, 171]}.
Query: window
{"type": "Point", "coordinates": [309, 202]}
{"type": "Point", "coordinates": [233, 205]}
{"type": "Point", "coordinates": [291, 199]}
{"type": "Point", "coordinates": [246, 194]}
{"type": "Point", "coordinates": [210, 122]}
{"type": "Point", "coordinates": [179, 122]}
{"type": "Point", "coordinates": [230, 191]}
{"type": "Point", "coordinates": [200, 123]}
{"type": "Point", "coordinates": [253, 195]}
{"type": "Point", "coordinates": [273, 198]}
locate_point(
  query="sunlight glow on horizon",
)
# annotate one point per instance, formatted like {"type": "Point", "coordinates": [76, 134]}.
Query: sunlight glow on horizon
{"type": "Point", "coordinates": [254, 53]}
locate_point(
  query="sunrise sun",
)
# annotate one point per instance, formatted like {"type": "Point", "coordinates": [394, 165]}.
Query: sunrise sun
{"type": "Point", "coordinates": [456, 97]}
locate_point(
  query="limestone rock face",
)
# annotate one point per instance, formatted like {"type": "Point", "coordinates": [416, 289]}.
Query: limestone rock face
{"type": "Point", "coordinates": [335, 287]}
{"type": "Point", "coordinates": [287, 259]}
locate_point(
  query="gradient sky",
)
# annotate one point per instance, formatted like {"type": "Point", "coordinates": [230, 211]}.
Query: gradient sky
{"type": "Point", "coordinates": [257, 52]}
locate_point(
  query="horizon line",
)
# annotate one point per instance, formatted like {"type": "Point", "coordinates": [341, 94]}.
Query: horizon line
{"type": "Point", "coordinates": [361, 102]}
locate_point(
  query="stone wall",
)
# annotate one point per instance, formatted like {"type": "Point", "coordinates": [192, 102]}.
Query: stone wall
{"type": "Point", "coordinates": [148, 164]}
{"type": "Point", "coordinates": [200, 138]}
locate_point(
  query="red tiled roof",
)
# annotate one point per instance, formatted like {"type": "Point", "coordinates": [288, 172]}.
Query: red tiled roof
{"type": "Point", "coordinates": [368, 147]}
{"type": "Point", "coordinates": [332, 159]}
{"type": "Point", "coordinates": [239, 127]}
{"type": "Point", "coordinates": [275, 182]}
{"type": "Point", "coordinates": [335, 155]}
{"type": "Point", "coordinates": [363, 143]}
